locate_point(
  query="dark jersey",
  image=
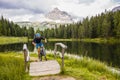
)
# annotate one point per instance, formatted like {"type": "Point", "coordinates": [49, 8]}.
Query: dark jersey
{"type": "Point", "coordinates": [38, 40]}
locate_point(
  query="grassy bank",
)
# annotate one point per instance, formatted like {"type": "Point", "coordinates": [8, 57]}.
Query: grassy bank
{"type": "Point", "coordinates": [61, 39]}
{"type": "Point", "coordinates": [95, 40]}
{"type": "Point", "coordinates": [102, 40]}
{"type": "Point", "coordinates": [81, 68]}
{"type": "Point", "coordinates": [87, 69]}
{"type": "Point", "coordinates": [10, 40]}
{"type": "Point", "coordinates": [12, 68]}
{"type": "Point", "coordinates": [84, 68]}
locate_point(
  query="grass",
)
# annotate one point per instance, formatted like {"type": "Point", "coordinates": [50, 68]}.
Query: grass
{"type": "Point", "coordinates": [102, 40]}
{"type": "Point", "coordinates": [10, 40]}
{"type": "Point", "coordinates": [86, 69]}
{"type": "Point", "coordinates": [61, 39]}
{"type": "Point", "coordinates": [94, 40]}
{"type": "Point", "coordinates": [12, 68]}
{"type": "Point", "coordinates": [82, 68]}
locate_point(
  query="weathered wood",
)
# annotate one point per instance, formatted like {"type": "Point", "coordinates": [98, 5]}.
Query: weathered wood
{"type": "Point", "coordinates": [44, 68]}
{"type": "Point", "coordinates": [63, 50]}
{"type": "Point", "coordinates": [62, 45]}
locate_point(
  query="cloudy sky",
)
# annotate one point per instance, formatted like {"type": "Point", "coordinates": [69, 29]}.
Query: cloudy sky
{"type": "Point", "coordinates": [34, 10]}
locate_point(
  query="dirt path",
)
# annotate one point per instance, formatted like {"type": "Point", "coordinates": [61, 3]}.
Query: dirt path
{"type": "Point", "coordinates": [54, 78]}
{"type": "Point", "coordinates": [33, 59]}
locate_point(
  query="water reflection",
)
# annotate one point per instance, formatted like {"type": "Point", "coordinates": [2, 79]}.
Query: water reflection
{"type": "Point", "coordinates": [15, 47]}
{"type": "Point", "coordinates": [103, 52]}
{"type": "Point", "coordinates": [109, 53]}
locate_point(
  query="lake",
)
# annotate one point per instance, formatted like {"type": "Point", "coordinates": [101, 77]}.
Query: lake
{"type": "Point", "coordinates": [108, 53]}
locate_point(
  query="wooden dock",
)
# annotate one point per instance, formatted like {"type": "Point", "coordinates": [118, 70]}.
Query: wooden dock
{"type": "Point", "coordinates": [44, 68]}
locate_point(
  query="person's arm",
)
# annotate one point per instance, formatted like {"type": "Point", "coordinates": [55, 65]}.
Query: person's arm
{"type": "Point", "coordinates": [33, 42]}
{"type": "Point", "coordinates": [44, 39]}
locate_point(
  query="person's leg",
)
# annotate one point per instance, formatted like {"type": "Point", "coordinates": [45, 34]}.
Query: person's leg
{"type": "Point", "coordinates": [38, 49]}
{"type": "Point", "coordinates": [41, 50]}
{"type": "Point", "coordinates": [39, 55]}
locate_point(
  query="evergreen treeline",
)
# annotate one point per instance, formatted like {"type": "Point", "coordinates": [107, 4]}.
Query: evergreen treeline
{"type": "Point", "coordinates": [8, 28]}
{"type": "Point", "coordinates": [104, 25]}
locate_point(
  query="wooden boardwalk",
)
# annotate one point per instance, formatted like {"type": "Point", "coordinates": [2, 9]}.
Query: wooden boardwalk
{"type": "Point", "coordinates": [44, 68]}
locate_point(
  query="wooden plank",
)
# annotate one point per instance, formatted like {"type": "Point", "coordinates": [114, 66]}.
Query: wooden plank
{"type": "Point", "coordinates": [44, 68]}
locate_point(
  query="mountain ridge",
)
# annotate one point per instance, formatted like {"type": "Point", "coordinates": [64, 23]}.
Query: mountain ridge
{"type": "Point", "coordinates": [53, 18]}
{"type": "Point", "coordinates": [59, 15]}
{"type": "Point", "coordinates": [116, 8]}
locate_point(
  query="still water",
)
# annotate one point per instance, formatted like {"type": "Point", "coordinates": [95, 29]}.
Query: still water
{"type": "Point", "coordinates": [108, 53]}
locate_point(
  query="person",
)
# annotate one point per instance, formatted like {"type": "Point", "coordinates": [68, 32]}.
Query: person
{"type": "Point", "coordinates": [39, 45]}
{"type": "Point", "coordinates": [26, 57]}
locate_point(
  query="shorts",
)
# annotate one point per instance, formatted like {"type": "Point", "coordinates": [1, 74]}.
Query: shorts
{"type": "Point", "coordinates": [38, 45]}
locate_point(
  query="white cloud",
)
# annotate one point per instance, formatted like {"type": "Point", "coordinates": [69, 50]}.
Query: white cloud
{"type": "Point", "coordinates": [38, 17]}
{"type": "Point", "coordinates": [42, 5]}
{"type": "Point", "coordinates": [21, 18]}
{"type": "Point", "coordinates": [85, 9]}
{"type": "Point", "coordinates": [33, 10]}
{"type": "Point", "coordinates": [16, 14]}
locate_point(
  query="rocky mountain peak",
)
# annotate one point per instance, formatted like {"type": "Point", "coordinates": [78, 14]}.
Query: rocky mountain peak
{"type": "Point", "coordinates": [56, 10]}
{"type": "Point", "coordinates": [57, 14]}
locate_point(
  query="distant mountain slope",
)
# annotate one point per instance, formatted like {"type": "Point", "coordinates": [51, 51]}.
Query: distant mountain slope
{"type": "Point", "coordinates": [35, 25]}
{"type": "Point", "coordinates": [54, 18]}
{"type": "Point", "coordinates": [116, 8]}
{"type": "Point", "coordinates": [38, 25]}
